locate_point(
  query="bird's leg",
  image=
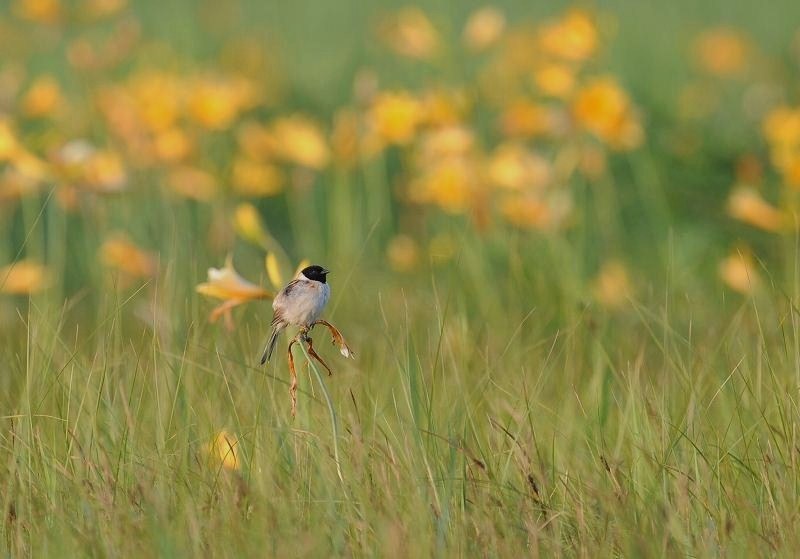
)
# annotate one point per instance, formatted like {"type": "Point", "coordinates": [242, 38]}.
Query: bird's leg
{"type": "Point", "coordinates": [316, 356]}
{"type": "Point", "coordinates": [338, 339]}
{"type": "Point", "coordinates": [293, 386]}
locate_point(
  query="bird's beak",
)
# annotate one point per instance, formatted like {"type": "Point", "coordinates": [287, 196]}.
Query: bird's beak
{"type": "Point", "coordinates": [324, 271]}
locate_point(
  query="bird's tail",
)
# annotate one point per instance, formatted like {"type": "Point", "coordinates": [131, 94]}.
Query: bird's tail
{"type": "Point", "coordinates": [273, 339]}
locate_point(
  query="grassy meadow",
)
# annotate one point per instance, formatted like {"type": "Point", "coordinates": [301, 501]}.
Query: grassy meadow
{"type": "Point", "coordinates": [564, 249]}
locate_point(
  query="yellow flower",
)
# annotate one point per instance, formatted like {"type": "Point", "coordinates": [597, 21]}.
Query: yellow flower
{"type": "Point", "coordinates": [573, 37]}
{"type": "Point", "coordinates": [223, 451]}
{"type": "Point", "coordinates": [781, 126]}
{"type": "Point", "coordinates": [120, 253]}
{"type": "Point", "coordinates": [443, 107]}
{"type": "Point", "coordinates": [746, 204]}
{"type": "Point", "coordinates": [43, 97]}
{"type": "Point", "coordinates": [514, 167]}
{"type": "Point", "coordinates": [191, 182]}
{"type": "Point", "coordinates": [410, 33]}
{"type": "Point", "coordinates": [402, 253]}
{"type": "Point", "coordinates": [9, 146]}
{"type": "Point", "coordinates": [24, 277]}
{"type": "Point", "coordinates": [248, 225]}
{"type": "Point", "coordinates": [555, 80]}
{"type": "Point", "coordinates": [83, 165]}
{"type": "Point", "coordinates": [484, 27]}
{"type": "Point", "coordinates": [226, 284]}
{"type": "Point", "coordinates": [395, 116]}
{"type": "Point", "coordinates": [254, 178]}
{"type": "Point", "coordinates": [603, 108]}
{"type": "Point", "coordinates": [172, 144]}
{"type": "Point", "coordinates": [157, 97]}
{"type": "Point", "coordinates": [39, 11]}
{"type": "Point", "coordinates": [216, 102]}
{"type": "Point", "coordinates": [738, 271]}
{"type": "Point", "coordinates": [451, 184]}
{"type": "Point", "coordinates": [612, 287]}
{"type": "Point", "coordinates": [722, 52]}
{"type": "Point", "coordinates": [298, 139]}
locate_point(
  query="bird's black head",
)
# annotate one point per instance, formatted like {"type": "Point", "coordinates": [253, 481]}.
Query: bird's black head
{"type": "Point", "coordinates": [316, 273]}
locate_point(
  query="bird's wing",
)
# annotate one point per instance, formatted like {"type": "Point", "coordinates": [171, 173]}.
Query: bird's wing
{"type": "Point", "coordinates": [283, 297]}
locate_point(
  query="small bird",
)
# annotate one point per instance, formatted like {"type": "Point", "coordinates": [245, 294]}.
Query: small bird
{"type": "Point", "coordinates": [298, 304]}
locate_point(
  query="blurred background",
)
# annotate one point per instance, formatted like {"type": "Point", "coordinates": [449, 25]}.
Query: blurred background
{"type": "Point", "coordinates": [142, 138]}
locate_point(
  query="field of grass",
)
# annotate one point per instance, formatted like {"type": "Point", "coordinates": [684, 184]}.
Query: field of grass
{"type": "Point", "coordinates": [563, 247]}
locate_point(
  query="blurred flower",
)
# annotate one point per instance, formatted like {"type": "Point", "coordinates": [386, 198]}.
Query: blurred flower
{"type": "Point", "coordinates": [395, 116]}
{"type": "Point", "coordinates": [24, 277]}
{"type": "Point", "coordinates": [99, 9]}
{"type": "Point", "coordinates": [451, 184]}
{"type": "Point", "coordinates": [554, 79]}
{"type": "Point", "coordinates": [444, 107]}
{"type": "Point", "coordinates": [526, 118]}
{"type": "Point", "coordinates": [746, 204]}
{"type": "Point", "coordinates": [410, 33]}
{"type": "Point", "coordinates": [43, 98]}
{"type": "Point", "coordinates": [156, 96]}
{"type": "Point", "coordinates": [9, 146]}
{"type": "Point", "coordinates": [572, 37]}
{"type": "Point", "coordinates": [226, 284]}
{"type": "Point", "coordinates": [172, 145]}
{"type": "Point", "coordinates": [603, 108]}
{"type": "Point", "coordinates": [248, 225]}
{"type": "Point", "coordinates": [276, 267]}
{"type": "Point", "coordinates": [484, 27]}
{"type": "Point", "coordinates": [80, 164]}
{"type": "Point", "coordinates": [738, 271]}
{"type": "Point", "coordinates": [612, 287]}
{"type": "Point", "coordinates": [514, 167]}
{"type": "Point", "coordinates": [191, 182]}
{"type": "Point", "coordinates": [781, 128]}
{"type": "Point", "coordinates": [39, 11]}
{"type": "Point", "coordinates": [223, 451]}
{"type": "Point", "coordinates": [402, 253]}
{"type": "Point", "coordinates": [543, 211]}
{"type": "Point", "coordinates": [254, 178]}
{"type": "Point", "coordinates": [216, 102]}
{"type": "Point", "coordinates": [120, 253]}
{"type": "Point", "coordinates": [256, 141]}
{"type": "Point", "coordinates": [722, 52]}
{"type": "Point", "coordinates": [299, 139]}
{"type": "Point", "coordinates": [345, 137]}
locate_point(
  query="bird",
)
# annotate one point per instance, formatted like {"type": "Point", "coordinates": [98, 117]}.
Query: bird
{"type": "Point", "coordinates": [300, 303]}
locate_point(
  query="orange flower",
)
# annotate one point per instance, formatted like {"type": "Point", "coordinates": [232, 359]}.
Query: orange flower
{"type": "Point", "coordinates": [395, 117]}
{"type": "Point", "coordinates": [546, 211]}
{"type": "Point", "coordinates": [402, 253]}
{"type": "Point", "coordinates": [484, 28]}
{"type": "Point", "coordinates": [573, 37]}
{"type": "Point", "coordinates": [81, 164]}
{"type": "Point", "coordinates": [514, 167]}
{"type": "Point", "coordinates": [555, 80]}
{"type": "Point", "coordinates": [24, 277]}
{"type": "Point", "coordinates": [216, 102]}
{"type": "Point", "coordinates": [223, 451]}
{"type": "Point", "coordinates": [253, 178]}
{"type": "Point", "coordinates": [746, 204]}
{"type": "Point", "coordinates": [299, 139]}
{"type": "Point", "coordinates": [603, 108]}
{"type": "Point", "coordinates": [410, 33]}
{"type": "Point", "coordinates": [120, 253]}
{"type": "Point", "coordinates": [612, 286]}
{"type": "Point", "coordinates": [526, 118]}
{"type": "Point", "coordinates": [39, 11]}
{"type": "Point", "coordinates": [193, 183]}
{"type": "Point", "coordinates": [738, 271]}
{"type": "Point", "coordinates": [43, 98]}
{"type": "Point", "coordinates": [722, 51]}
{"type": "Point", "coordinates": [172, 144]}
{"type": "Point", "coordinates": [451, 184]}
{"type": "Point", "coordinates": [226, 284]}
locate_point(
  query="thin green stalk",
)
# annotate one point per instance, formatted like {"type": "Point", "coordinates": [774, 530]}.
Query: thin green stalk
{"type": "Point", "coordinates": [331, 410]}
